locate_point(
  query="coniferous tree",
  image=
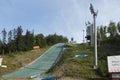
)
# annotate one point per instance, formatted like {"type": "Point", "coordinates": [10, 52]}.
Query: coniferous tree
{"type": "Point", "coordinates": [28, 40]}
{"type": "Point", "coordinates": [19, 39]}
{"type": "Point", "coordinates": [118, 26]}
{"type": "Point", "coordinates": [14, 40]}
{"type": "Point", "coordinates": [0, 46]}
{"type": "Point", "coordinates": [103, 32]}
{"type": "Point", "coordinates": [112, 29]}
{"type": "Point", "coordinates": [10, 41]}
{"type": "Point", "coordinates": [4, 40]}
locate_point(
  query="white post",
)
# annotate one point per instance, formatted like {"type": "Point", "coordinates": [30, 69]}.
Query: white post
{"type": "Point", "coordinates": [1, 61]}
{"type": "Point", "coordinates": [95, 43]}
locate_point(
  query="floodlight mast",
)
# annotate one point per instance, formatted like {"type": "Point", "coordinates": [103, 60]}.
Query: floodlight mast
{"type": "Point", "coordinates": [95, 34]}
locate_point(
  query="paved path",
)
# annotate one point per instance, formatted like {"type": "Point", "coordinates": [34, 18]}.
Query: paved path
{"type": "Point", "coordinates": [40, 65]}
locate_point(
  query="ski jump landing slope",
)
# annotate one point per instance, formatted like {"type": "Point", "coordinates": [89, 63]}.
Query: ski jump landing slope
{"type": "Point", "coordinates": [40, 65]}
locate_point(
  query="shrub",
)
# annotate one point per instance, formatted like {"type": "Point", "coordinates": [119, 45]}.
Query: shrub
{"type": "Point", "coordinates": [102, 69]}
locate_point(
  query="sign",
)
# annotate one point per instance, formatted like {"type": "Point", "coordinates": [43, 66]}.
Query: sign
{"type": "Point", "coordinates": [115, 75]}
{"type": "Point", "coordinates": [113, 64]}
{"type": "Point", "coordinates": [36, 47]}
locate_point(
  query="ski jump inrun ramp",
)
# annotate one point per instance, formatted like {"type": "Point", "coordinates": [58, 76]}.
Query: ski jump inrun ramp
{"type": "Point", "coordinates": [40, 65]}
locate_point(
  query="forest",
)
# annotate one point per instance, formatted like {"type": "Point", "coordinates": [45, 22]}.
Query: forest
{"type": "Point", "coordinates": [108, 38]}
{"type": "Point", "coordinates": [109, 34]}
{"type": "Point", "coordinates": [14, 40]}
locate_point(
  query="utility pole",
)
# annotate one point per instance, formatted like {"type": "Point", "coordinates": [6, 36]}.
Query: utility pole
{"type": "Point", "coordinates": [83, 37]}
{"type": "Point", "coordinates": [95, 34]}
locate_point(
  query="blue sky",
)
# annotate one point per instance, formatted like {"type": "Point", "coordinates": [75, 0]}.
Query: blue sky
{"type": "Point", "coordinates": [64, 17]}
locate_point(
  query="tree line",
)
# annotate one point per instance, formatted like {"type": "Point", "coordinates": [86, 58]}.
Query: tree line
{"type": "Point", "coordinates": [109, 34]}
{"type": "Point", "coordinates": [14, 40]}
{"type": "Point", "coordinates": [109, 45]}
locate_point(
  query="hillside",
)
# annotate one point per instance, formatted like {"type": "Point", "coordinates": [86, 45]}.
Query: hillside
{"type": "Point", "coordinates": [16, 61]}
{"type": "Point", "coordinates": [71, 68]}
{"type": "Point", "coordinates": [68, 67]}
